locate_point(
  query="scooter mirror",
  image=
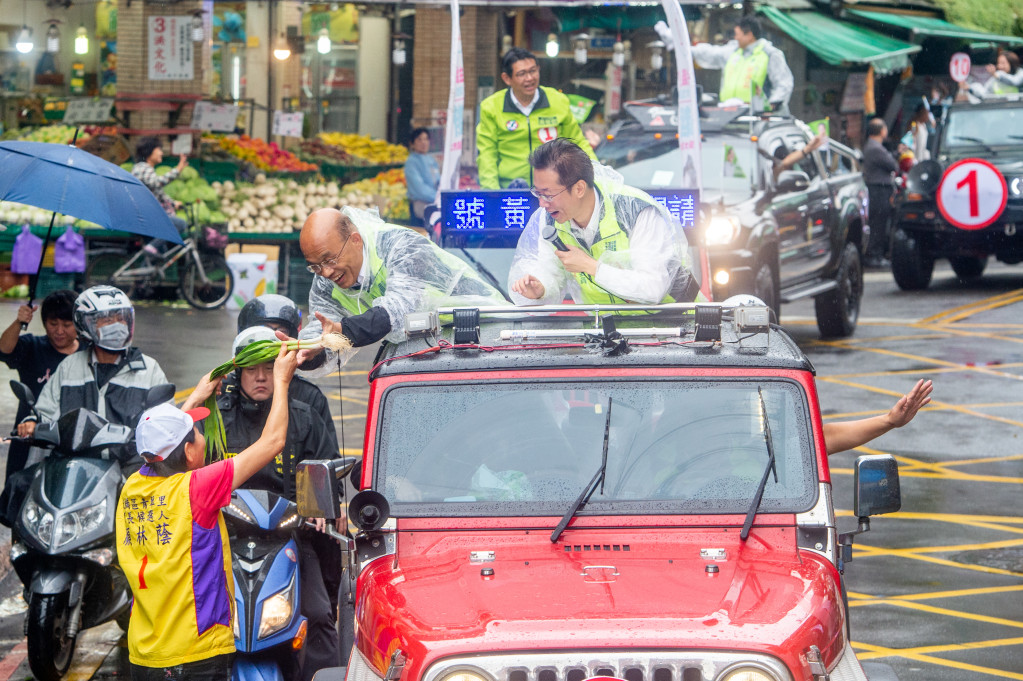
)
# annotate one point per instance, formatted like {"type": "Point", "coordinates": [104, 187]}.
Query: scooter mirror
{"type": "Point", "coordinates": [316, 489]}
{"type": "Point", "coordinates": [23, 393]}
{"type": "Point", "coordinates": [159, 394]}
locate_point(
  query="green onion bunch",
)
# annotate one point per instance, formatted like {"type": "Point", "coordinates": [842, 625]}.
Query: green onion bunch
{"type": "Point", "coordinates": [252, 355]}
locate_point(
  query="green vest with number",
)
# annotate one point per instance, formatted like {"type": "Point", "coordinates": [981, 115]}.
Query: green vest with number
{"type": "Point", "coordinates": [611, 236]}
{"type": "Point", "coordinates": [1001, 88]}
{"type": "Point", "coordinates": [742, 71]}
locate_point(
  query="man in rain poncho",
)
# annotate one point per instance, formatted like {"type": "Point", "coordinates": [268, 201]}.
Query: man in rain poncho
{"type": "Point", "coordinates": [622, 246]}
{"type": "Point", "coordinates": [370, 274]}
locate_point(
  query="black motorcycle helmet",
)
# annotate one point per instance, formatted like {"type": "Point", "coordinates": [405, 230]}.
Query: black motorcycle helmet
{"type": "Point", "coordinates": [271, 309]}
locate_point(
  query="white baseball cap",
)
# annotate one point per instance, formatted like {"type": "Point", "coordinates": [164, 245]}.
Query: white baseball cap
{"type": "Point", "coordinates": [164, 427]}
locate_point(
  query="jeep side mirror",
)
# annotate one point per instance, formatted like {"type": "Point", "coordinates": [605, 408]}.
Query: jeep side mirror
{"type": "Point", "coordinates": [876, 485]}
{"type": "Point", "coordinates": [23, 393]}
{"type": "Point", "coordinates": [316, 486]}
{"type": "Point", "coordinates": [792, 181]}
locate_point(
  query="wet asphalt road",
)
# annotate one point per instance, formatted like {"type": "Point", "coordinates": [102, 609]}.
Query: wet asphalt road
{"type": "Point", "coordinates": [936, 590]}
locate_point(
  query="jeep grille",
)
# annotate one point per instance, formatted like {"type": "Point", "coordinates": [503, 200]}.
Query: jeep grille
{"type": "Point", "coordinates": [656, 665]}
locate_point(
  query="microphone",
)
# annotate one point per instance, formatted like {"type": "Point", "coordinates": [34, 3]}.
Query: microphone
{"type": "Point", "coordinates": [550, 233]}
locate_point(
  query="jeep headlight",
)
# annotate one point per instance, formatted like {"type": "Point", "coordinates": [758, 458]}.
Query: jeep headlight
{"type": "Point", "coordinates": [745, 673]}
{"type": "Point", "coordinates": [1016, 186]}
{"type": "Point", "coordinates": [721, 230]}
{"type": "Point", "coordinates": [466, 675]}
{"type": "Point", "coordinates": [277, 610]}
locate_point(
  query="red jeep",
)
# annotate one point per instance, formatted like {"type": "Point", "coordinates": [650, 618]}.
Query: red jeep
{"type": "Point", "coordinates": [553, 498]}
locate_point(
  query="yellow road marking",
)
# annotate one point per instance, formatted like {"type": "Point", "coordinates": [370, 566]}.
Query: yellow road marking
{"type": "Point", "coordinates": [870, 552]}
{"type": "Point", "coordinates": [979, 305]}
{"type": "Point", "coordinates": [345, 398]}
{"type": "Point", "coordinates": [942, 594]}
{"type": "Point", "coordinates": [182, 394]}
{"type": "Point", "coordinates": [992, 305]}
{"type": "Point", "coordinates": [880, 651]}
{"type": "Point", "coordinates": [923, 607]}
{"type": "Point", "coordinates": [336, 374]}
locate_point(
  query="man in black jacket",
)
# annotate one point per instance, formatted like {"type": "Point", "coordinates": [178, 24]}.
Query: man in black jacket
{"type": "Point", "coordinates": [245, 405]}
{"type": "Point", "coordinates": [879, 168]}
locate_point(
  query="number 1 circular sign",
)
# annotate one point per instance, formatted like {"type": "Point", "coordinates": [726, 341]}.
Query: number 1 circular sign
{"type": "Point", "coordinates": [972, 194]}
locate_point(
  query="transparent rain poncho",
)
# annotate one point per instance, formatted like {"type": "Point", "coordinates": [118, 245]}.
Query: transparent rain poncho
{"type": "Point", "coordinates": [653, 266]}
{"type": "Point", "coordinates": [406, 273]}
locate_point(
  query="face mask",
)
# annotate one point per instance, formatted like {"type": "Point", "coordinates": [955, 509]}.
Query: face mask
{"type": "Point", "coordinates": [113, 336]}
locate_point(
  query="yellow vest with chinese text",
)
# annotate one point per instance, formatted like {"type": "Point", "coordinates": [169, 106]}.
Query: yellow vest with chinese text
{"type": "Point", "coordinates": [179, 572]}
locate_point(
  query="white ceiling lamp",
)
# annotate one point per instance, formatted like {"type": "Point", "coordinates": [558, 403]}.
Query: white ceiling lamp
{"type": "Point", "coordinates": [53, 37]}
{"type": "Point", "coordinates": [398, 55]}
{"type": "Point", "coordinates": [24, 42]}
{"type": "Point", "coordinates": [579, 54]}
{"type": "Point", "coordinates": [198, 28]}
{"type": "Point", "coordinates": [281, 49]}
{"type": "Point", "coordinates": [323, 45]}
{"type": "Point", "coordinates": [618, 54]}
{"type": "Point", "coordinates": [656, 55]}
{"type": "Point", "coordinates": [81, 40]}
{"type": "Point", "coordinates": [552, 46]}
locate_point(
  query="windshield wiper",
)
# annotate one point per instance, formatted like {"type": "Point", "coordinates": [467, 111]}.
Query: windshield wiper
{"type": "Point", "coordinates": [977, 140]}
{"type": "Point", "coordinates": [591, 487]}
{"type": "Point", "coordinates": [771, 467]}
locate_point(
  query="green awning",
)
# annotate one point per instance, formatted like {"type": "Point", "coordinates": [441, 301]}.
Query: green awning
{"type": "Point", "coordinates": [840, 43]}
{"type": "Point", "coordinates": [923, 27]}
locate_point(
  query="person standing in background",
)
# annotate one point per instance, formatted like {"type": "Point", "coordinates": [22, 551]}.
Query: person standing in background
{"type": "Point", "coordinates": [148, 155]}
{"type": "Point", "coordinates": [422, 174]}
{"type": "Point", "coordinates": [879, 168]}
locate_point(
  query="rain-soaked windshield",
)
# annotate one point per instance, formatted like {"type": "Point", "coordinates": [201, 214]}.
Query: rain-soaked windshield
{"type": "Point", "coordinates": [728, 164]}
{"type": "Point", "coordinates": [969, 131]}
{"type": "Point", "coordinates": [529, 449]}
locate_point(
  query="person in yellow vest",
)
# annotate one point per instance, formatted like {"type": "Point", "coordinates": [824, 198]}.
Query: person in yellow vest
{"type": "Point", "coordinates": [1006, 77]}
{"type": "Point", "coordinates": [518, 119]}
{"type": "Point", "coordinates": [620, 246]}
{"type": "Point", "coordinates": [172, 542]}
{"type": "Point", "coordinates": [369, 275]}
{"type": "Point", "coordinates": [750, 63]}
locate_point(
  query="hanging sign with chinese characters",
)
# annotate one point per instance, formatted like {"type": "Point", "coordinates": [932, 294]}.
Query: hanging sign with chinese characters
{"type": "Point", "coordinates": [170, 48]}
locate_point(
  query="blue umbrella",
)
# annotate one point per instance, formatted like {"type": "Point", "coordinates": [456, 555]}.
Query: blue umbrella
{"type": "Point", "coordinates": [69, 181]}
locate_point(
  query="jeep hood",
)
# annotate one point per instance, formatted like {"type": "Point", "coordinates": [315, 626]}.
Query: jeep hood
{"type": "Point", "coordinates": [646, 589]}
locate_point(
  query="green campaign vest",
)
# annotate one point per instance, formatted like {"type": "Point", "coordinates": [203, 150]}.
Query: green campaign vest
{"type": "Point", "coordinates": [1001, 88]}
{"type": "Point", "coordinates": [741, 72]}
{"type": "Point", "coordinates": [611, 237]}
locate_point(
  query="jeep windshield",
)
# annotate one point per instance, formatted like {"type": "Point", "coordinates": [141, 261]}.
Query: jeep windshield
{"type": "Point", "coordinates": [528, 449]}
{"type": "Point", "coordinates": [728, 163]}
{"type": "Point", "coordinates": [969, 131]}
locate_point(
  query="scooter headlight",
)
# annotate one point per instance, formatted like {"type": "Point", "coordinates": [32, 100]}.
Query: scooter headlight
{"type": "Point", "coordinates": [80, 523]}
{"type": "Point", "coordinates": [277, 610]}
{"type": "Point", "coordinates": [31, 513]}
{"type": "Point", "coordinates": [44, 529]}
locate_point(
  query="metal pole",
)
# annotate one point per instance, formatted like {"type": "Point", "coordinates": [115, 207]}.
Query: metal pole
{"type": "Point", "coordinates": [270, 71]}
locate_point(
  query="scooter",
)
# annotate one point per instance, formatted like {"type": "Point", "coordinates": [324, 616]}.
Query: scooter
{"type": "Point", "coordinates": [65, 553]}
{"type": "Point", "coordinates": [268, 627]}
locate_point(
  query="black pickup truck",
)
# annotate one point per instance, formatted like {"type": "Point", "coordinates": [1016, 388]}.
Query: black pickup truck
{"type": "Point", "coordinates": [795, 235]}
{"type": "Point", "coordinates": [990, 131]}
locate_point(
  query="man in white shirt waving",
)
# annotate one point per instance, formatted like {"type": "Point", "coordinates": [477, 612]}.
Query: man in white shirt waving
{"type": "Point", "coordinates": [596, 239]}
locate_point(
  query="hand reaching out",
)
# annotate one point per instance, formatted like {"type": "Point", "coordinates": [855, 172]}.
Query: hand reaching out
{"type": "Point", "coordinates": [910, 403]}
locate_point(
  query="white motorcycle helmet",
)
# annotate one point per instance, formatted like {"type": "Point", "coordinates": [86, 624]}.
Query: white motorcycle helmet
{"type": "Point", "coordinates": [251, 335]}
{"type": "Point", "coordinates": [105, 317]}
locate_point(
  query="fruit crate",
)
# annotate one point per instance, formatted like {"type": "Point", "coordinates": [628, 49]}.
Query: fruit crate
{"type": "Point", "coordinates": [348, 174]}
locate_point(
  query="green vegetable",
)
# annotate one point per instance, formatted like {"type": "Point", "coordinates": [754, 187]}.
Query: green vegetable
{"type": "Point", "coordinates": [252, 355]}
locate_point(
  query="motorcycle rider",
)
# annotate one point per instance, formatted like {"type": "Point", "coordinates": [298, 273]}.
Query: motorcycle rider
{"type": "Point", "coordinates": [106, 375]}
{"type": "Point", "coordinates": [244, 406]}
{"type": "Point", "coordinates": [280, 313]}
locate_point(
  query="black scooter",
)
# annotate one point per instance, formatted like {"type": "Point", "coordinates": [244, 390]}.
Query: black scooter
{"type": "Point", "coordinates": [64, 551]}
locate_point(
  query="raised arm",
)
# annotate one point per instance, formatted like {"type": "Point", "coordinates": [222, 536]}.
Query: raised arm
{"type": "Point", "coordinates": [844, 435]}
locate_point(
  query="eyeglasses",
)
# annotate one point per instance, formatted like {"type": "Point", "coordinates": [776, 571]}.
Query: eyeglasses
{"type": "Point", "coordinates": [331, 263]}
{"type": "Point", "coordinates": [544, 197]}
{"type": "Point", "coordinates": [531, 72]}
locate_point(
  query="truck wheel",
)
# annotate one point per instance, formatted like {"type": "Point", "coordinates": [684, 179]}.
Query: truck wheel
{"type": "Point", "coordinates": [968, 267]}
{"type": "Point", "coordinates": [910, 267]}
{"type": "Point", "coordinates": [765, 287]}
{"type": "Point", "coordinates": [50, 649]}
{"type": "Point", "coordinates": [839, 308]}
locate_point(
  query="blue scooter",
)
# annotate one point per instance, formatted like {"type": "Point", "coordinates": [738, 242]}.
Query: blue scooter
{"type": "Point", "coordinates": [268, 627]}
